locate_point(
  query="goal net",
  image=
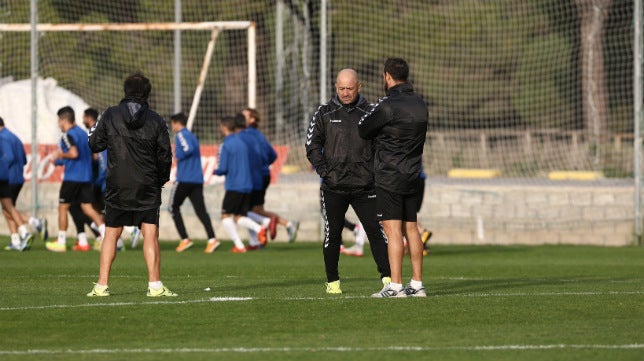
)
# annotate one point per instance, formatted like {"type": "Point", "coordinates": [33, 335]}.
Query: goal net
{"type": "Point", "coordinates": [524, 89]}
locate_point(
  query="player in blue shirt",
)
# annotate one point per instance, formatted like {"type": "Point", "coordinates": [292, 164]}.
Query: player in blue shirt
{"type": "Point", "coordinates": [12, 162]}
{"type": "Point", "coordinates": [234, 163]}
{"type": "Point", "coordinates": [77, 184]}
{"type": "Point", "coordinates": [258, 196]}
{"type": "Point", "coordinates": [189, 184]}
{"type": "Point", "coordinates": [256, 158]}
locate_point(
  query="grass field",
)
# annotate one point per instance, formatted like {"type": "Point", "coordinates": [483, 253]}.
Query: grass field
{"type": "Point", "coordinates": [493, 303]}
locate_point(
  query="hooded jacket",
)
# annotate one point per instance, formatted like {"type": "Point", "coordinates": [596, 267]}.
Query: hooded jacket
{"type": "Point", "coordinates": [137, 140]}
{"type": "Point", "coordinates": [398, 126]}
{"type": "Point", "coordinates": [343, 160]}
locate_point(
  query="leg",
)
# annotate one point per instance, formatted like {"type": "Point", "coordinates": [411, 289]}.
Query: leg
{"type": "Point", "coordinates": [78, 217]}
{"type": "Point", "coordinates": [108, 253]}
{"type": "Point", "coordinates": [63, 208]}
{"type": "Point", "coordinates": [151, 251]}
{"type": "Point", "coordinates": [334, 207]}
{"type": "Point", "coordinates": [393, 230]}
{"type": "Point", "coordinates": [415, 250]}
{"type": "Point", "coordinates": [196, 198]}
{"type": "Point", "coordinates": [365, 208]}
{"type": "Point", "coordinates": [177, 196]}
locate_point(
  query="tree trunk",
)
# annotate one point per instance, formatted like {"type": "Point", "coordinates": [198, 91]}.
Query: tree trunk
{"type": "Point", "coordinates": [592, 15]}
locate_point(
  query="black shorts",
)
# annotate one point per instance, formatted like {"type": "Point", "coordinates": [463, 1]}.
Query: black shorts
{"type": "Point", "coordinates": [115, 217]}
{"type": "Point", "coordinates": [397, 206]}
{"type": "Point", "coordinates": [99, 198]}
{"type": "Point", "coordinates": [236, 203]}
{"type": "Point", "coordinates": [71, 192]}
{"type": "Point", "coordinates": [257, 198]}
{"type": "Point", "coordinates": [4, 189]}
{"type": "Point", "coordinates": [10, 191]}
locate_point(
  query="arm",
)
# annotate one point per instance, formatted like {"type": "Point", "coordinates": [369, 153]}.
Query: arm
{"type": "Point", "coordinates": [315, 139]}
{"type": "Point", "coordinates": [72, 150]}
{"type": "Point", "coordinates": [164, 154]}
{"type": "Point", "coordinates": [98, 134]}
{"type": "Point", "coordinates": [370, 124]}
{"type": "Point", "coordinates": [182, 147]}
{"type": "Point", "coordinates": [222, 168]}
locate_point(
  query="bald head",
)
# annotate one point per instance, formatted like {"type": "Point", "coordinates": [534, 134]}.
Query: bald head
{"type": "Point", "coordinates": [347, 86]}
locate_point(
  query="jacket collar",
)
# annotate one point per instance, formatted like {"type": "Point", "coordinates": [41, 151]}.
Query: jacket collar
{"type": "Point", "coordinates": [405, 87]}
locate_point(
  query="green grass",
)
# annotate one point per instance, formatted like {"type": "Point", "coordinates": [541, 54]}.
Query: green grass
{"type": "Point", "coordinates": [492, 303]}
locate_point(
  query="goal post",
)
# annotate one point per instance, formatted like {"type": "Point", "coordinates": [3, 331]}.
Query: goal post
{"type": "Point", "coordinates": [214, 26]}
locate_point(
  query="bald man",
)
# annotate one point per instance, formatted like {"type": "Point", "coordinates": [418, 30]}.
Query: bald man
{"type": "Point", "coordinates": [344, 161]}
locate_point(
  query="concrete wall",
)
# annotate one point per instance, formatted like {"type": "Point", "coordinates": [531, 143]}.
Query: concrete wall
{"type": "Point", "coordinates": [494, 211]}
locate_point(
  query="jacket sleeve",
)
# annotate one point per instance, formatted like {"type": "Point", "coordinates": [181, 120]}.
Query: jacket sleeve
{"type": "Point", "coordinates": [164, 154]}
{"type": "Point", "coordinates": [371, 123]}
{"type": "Point", "coordinates": [315, 139]}
{"type": "Point", "coordinates": [269, 152]}
{"type": "Point", "coordinates": [98, 135]}
{"type": "Point", "coordinates": [182, 147]}
{"type": "Point", "coordinates": [222, 167]}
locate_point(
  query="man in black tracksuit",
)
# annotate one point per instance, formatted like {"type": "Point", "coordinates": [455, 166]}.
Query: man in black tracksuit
{"type": "Point", "coordinates": [139, 156]}
{"type": "Point", "coordinates": [344, 161]}
{"type": "Point", "coordinates": [398, 125]}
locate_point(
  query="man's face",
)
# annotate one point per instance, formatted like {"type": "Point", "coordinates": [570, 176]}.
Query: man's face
{"type": "Point", "coordinates": [347, 90]}
{"type": "Point", "coordinates": [175, 126]}
{"type": "Point", "coordinates": [87, 121]}
{"type": "Point", "coordinates": [61, 124]}
{"type": "Point", "coordinates": [249, 120]}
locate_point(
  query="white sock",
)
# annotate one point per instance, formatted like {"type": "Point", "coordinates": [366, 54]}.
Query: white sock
{"type": "Point", "coordinates": [15, 239]}
{"type": "Point", "coordinates": [249, 223]}
{"type": "Point", "coordinates": [231, 229]}
{"type": "Point", "coordinates": [155, 285]}
{"type": "Point", "coordinates": [82, 239]}
{"type": "Point", "coordinates": [264, 221]}
{"type": "Point", "coordinates": [416, 284]}
{"type": "Point", "coordinates": [22, 231]}
{"type": "Point", "coordinates": [94, 226]}
{"type": "Point", "coordinates": [395, 286]}
{"type": "Point", "coordinates": [62, 237]}
{"type": "Point", "coordinates": [119, 243]}
{"type": "Point", "coordinates": [361, 236]}
{"type": "Point", "coordinates": [101, 230]}
{"type": "Point", "coordinates": [252, 238]}
{"type": "Point", "coordinates": [212, 240]}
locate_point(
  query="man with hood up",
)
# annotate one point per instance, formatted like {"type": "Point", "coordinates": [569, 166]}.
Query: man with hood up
{"type": "Point", "coordinates": [137, 140]}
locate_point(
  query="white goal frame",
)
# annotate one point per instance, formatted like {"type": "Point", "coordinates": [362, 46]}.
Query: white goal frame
{"type": "Point", "coordinates": [214, 26]}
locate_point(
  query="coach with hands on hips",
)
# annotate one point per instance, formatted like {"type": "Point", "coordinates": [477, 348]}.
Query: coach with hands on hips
{"type": "Point", "coordinates": [344, 161]}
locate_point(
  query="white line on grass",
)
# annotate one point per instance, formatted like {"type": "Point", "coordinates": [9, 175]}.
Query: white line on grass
{"type": "Point", "coordinates": [323, 349]}
{"type": "Point", "coordinates": [237, 299]}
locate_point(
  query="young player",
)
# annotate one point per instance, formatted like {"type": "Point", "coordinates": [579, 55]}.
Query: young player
{"type": "Point", "coordinates": [234, 163]}
{"type": "Point", "coordinates": [189, 184]}
{"type": "Point", "coordinates": [77, 184]}
{"type": "Point", "coordinates": [258, 197]}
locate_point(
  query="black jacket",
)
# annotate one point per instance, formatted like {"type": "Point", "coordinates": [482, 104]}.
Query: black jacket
{"type": "Point", "coordinates": [398, 126]}
{"type": "Point", "coordinates": [138, 153]}
{"type": "Point", "coordinates": [340, 156]}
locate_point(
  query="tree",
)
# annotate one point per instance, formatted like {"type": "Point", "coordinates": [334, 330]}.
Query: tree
{"type": "Point", "coordinates": [592, 16]}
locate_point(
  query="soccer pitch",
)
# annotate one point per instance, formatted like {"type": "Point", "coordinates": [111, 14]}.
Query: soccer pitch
{"type": "Point", "coordinates": [484, 302]}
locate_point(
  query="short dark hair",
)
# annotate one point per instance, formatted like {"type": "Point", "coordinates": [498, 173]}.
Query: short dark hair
{"type": "Point", "coordinates": [179, 117]}
{"type": "Point", "coordinates": [92, 113]}
{"type": "Point", "coordinates": [137, 86]}
{"type": "Point", "coordinates": [1, 122]}
{"type": "Point", "coordinates": [397, 68]}
{"type": "Point", "coordinates": [67, 113]}
{"type": "Point", "coordinates": [229, 123]}
{"type": "Point", "coordinates": [240, 121]}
